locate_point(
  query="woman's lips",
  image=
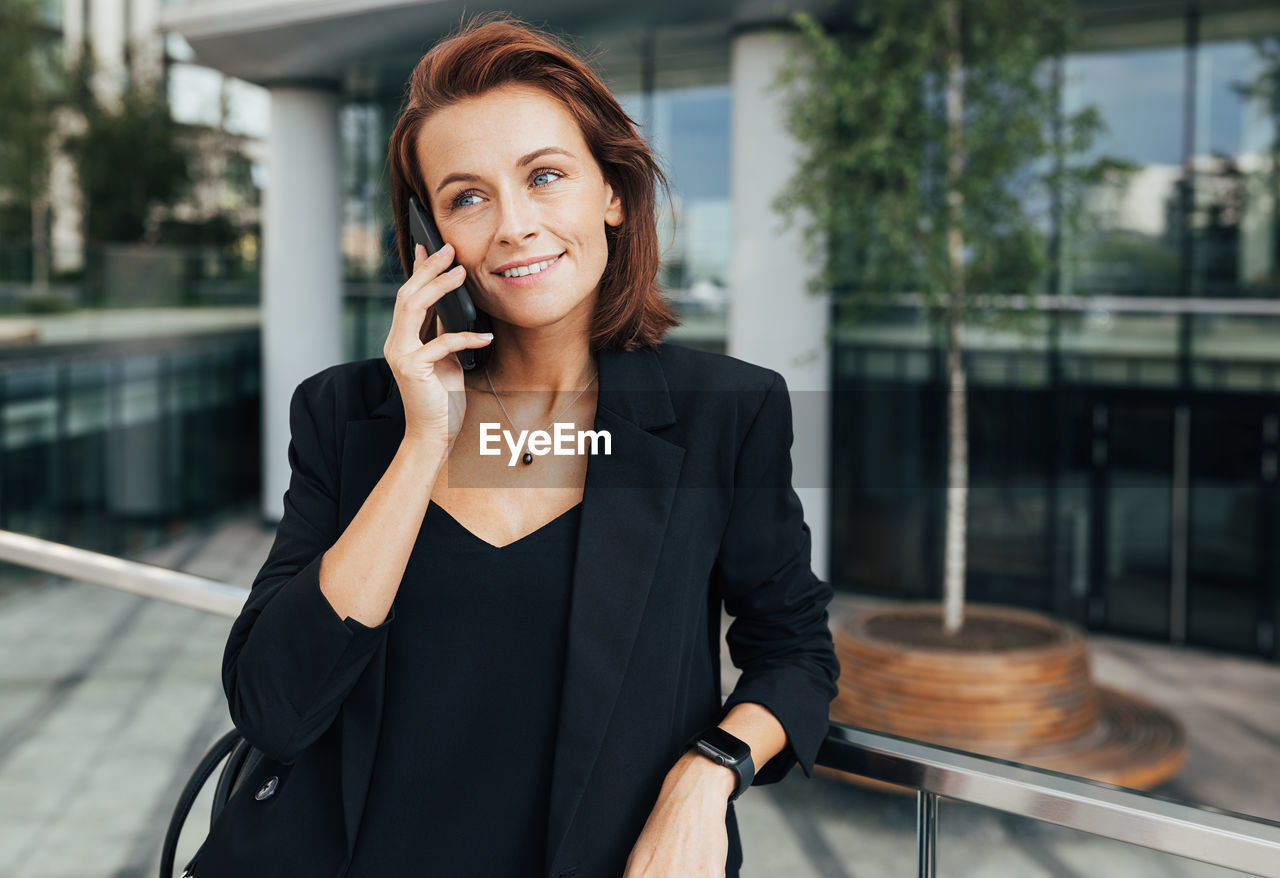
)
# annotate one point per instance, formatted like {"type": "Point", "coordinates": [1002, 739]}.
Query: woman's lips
{"type": "Point", "coordinates": [531, 279]}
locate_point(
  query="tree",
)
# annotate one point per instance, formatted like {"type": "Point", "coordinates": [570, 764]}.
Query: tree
{"type": "Point", "coordinates": [128, 156]}
{"type": "Point", "coordinates": [926, 129]}
{"type": "Point", "coordinates": [28, 86]}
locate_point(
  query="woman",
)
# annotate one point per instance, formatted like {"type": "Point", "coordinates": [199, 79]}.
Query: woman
{"type": "Point", "coordinates": [466, 663]}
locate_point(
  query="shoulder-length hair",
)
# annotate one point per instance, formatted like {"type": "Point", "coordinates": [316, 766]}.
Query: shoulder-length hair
{"type": "Point", "coordinates": [492, 51]}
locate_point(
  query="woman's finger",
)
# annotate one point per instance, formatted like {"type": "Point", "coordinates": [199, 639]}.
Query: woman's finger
{"type": "Point", "coordinates": [433, 291]}
{"type": "Point", "coordinates": [412, 302]}
{"type": "Point", "coordinates": [423, 266]}
{"type": "Point", "coordinates": [450, 342]}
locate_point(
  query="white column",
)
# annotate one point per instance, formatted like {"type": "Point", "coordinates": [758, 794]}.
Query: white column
{"type": "Point", "coordinates": [106, 26]}
{"type": "Point", "coordinates": [773, 320]}
{"type": "Point", "coordinates": [66, 233]}
{"type": "Point", "coordinates": [66, 238]}
{"type": "Point", "coordinates": [146, 39]}
{"type": "Point", "coordinates": [301, 266]}
{"type": "Point", "coordinates": [73, 25]}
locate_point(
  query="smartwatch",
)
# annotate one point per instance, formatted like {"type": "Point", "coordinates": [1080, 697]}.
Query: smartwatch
{"type": "Point", "coordinates": [724, 749]}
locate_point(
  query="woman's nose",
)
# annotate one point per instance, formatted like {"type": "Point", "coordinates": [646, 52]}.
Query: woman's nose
{"type": "Point", "coordinates": [517, 220]}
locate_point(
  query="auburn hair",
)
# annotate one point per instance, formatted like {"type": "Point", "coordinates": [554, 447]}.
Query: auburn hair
{"type": "Point", "coordinates": [496, 50]}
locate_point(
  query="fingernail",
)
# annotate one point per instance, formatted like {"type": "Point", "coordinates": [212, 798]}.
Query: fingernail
{"type": "Point", "coordinates": [457, 269]}
{"type": "Point", "coordinates": [485, 336]}
{"type": "Point", "coordinates": [419, 252]}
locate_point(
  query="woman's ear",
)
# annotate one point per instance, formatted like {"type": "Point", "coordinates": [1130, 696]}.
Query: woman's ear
{"type": "Point", "coordinates": [613, 214]}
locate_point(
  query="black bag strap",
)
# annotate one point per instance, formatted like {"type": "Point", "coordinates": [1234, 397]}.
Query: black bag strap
{"type": "Point", "coordinates": [223, 746]}
{"type": "Point", "coordinates": [231, 777]}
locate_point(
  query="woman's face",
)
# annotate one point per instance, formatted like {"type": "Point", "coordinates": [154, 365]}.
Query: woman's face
{"type": "Point", "coordinates": [512, 184]}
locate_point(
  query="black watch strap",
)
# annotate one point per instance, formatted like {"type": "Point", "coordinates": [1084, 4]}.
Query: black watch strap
{"type": "Point", "coordinates": [732, 752]}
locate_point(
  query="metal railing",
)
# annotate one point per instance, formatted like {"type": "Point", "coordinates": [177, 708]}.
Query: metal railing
{"type": "Point", "coordinates": [134, 577]}
{"type": "Point", "coordinates": [1221, 838]}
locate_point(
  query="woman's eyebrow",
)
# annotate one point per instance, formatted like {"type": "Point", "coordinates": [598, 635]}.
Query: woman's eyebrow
{"type": "Point", "coordinates": [539, 153]}
{"type": "Point", "coordinates": [524, 160]}
{"type": "Point", "coordinates": [456, 178]}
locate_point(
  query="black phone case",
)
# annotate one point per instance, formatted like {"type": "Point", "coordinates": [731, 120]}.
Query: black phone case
{"type": "Point", "coordinates": [457, 311]}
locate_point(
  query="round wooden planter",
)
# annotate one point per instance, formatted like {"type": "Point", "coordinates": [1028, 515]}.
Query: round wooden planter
{"type": "Point", "coordinates": [1013, 684]}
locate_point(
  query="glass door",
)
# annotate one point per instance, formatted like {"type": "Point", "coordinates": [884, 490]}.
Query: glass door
{"type": "Point", "coordinates": [1232, 490]}
{"type": "Point", "coordinates": [1136, 565]}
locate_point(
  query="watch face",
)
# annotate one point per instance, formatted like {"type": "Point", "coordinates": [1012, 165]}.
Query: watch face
{"type": "Point", "coordinates": [723, 747]}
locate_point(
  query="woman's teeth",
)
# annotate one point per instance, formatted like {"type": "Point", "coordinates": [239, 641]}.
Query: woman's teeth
{"type": "Point", "coordinates": [524, 270]}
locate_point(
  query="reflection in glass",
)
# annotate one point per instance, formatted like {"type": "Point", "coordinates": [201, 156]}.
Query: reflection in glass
{"type": "Point", "coordinates": [689, 129]}
{"type": "Point", "coordinates": [1235, 232]}
{"type": "Point", "coordinates": [1131, 246]}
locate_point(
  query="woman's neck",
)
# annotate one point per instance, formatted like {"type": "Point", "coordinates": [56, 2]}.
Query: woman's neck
{"type": "Point", "coordinates": [534, 361]}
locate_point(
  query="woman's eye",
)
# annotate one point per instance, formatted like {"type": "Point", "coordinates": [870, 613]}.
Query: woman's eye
{"type": "Point", "coordinates": [461, 199]}
{"type": "Point", "coordinates": [549, 175]}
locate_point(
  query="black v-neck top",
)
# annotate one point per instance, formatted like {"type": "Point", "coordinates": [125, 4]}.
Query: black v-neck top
{"type": "Point", "coordinates": [475, 660]}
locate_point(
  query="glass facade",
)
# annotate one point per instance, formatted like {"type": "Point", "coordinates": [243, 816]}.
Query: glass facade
{"type": "Point", "coordinates": [1126, 514]}
{"type": "Point", "coordinates": [116, 446]}
{"type": "Point", "coordinates": [1134, 250]}
{"type": "Point", "coordinates": [1123, 445]}
{"type": "Point", "coordinates": [1196, 114]}
{"type": "Point", "coordinates": [1235, 235]}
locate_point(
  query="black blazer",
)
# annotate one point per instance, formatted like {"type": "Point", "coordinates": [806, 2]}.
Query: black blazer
{"type": "Point", "coordinates": [693, 507]}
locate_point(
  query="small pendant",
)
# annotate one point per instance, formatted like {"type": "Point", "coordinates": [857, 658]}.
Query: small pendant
{"type": "Point", "coordinates": [528, 458]}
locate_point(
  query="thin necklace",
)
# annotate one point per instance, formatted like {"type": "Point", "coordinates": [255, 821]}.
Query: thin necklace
{"type": "Point", "coordinates": [527, 458]}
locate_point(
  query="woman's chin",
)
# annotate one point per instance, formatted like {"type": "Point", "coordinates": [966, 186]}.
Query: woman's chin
{"type": "Point", "coordinates": [542, 318]}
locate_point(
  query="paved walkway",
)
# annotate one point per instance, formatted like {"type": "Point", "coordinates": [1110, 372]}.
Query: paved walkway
{"type": "Point", "coordinates": [108, 700]}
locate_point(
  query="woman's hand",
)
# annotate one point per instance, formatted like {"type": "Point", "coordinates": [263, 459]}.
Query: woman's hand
{"type": "Point", "coordinates": [428, 375]}
{"type": "Point", "coordinates": [685, 834]}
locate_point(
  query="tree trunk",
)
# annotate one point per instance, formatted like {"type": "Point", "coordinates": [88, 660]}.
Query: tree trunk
{"type": "Point", "coordinates": [957, 409]}
{"type": "Point", "coordinates": [40, 242]}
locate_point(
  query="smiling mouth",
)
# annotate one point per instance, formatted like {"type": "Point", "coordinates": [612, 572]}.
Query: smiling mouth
{"type": "Point", "coordinates": [526, 270]}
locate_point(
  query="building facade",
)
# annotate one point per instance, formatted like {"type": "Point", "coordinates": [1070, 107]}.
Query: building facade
{"type": "Point", "coordinates": [1124, 449]}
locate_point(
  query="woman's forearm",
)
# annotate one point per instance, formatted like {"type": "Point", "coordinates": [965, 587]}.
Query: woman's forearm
{"type": "Point", "coordinates": [360, 574]}
{"type": "Point", "coordinates": [757, 727]}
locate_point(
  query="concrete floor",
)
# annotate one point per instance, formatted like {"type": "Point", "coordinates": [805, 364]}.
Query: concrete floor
{"type": "Point", "coordinates": [108, 700]}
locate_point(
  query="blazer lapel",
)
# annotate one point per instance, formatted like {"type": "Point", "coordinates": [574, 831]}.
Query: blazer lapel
{"type": "Point", "coordinates": [625, 507]}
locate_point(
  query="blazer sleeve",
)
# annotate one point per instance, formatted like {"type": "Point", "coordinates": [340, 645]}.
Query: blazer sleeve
{"type": "Point", "coordinates": [290, 660]}
{"type": "Point", "coordinates": [779, 636]}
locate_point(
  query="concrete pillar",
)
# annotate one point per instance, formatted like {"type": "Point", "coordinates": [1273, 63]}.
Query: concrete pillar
{"type": "Point", "coordinates": [301, 266]}
{"type": "Point", "coordinates": [66, 237]}
{"type": "Point", "coordinates": [146, 40]}
{"type": "Point", "coordinates": [66, 232]}
{"type": "Point", "coordinates": [773, 320]}
{"type": "Point", "coordinates": [107, 34]}
{"type": "Point", "coordinates": [73, 25]}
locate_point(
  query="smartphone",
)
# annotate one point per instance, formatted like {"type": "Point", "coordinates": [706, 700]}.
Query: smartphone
{"type": "Point", "coordinates": [456, 310]}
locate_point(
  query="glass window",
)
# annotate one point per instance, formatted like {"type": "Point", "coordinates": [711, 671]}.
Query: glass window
{"type": "Point", "coordinates": [1235, 233]}
{"type": "Point", "coordinates": [675, 84]}
{"type": "Point", "coordinates": [368, 238]}
{"type": "Point", "coordinates": [195, 94]}
{"type": "Point", "coordinates": [1132, 244]}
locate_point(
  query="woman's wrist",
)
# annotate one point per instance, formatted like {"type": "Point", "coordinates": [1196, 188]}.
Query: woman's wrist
{"type": "Point", "coordinates": [695, 769]}
{"type": "Point", "coordinates": [427, 452]}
